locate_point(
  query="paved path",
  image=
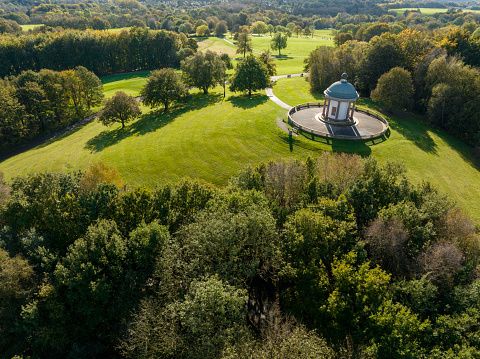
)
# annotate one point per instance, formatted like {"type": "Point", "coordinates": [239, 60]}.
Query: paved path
{"type": "Point", "coordinates": [275, 99]}
{"type": "Point", "coordinates": [269, 92]}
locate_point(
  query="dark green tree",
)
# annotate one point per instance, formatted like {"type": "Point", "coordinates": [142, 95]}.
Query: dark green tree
{"type": "Point", "coordinates": [90, 86]}
{"type": "Point", "coordinates": [250, 75]}
{"type": "Point", "coordinates": [203, 70]}
{"type": "Point", "coordinates": [382, 54]}
{"type": "Point", "coordinates": [279, 42]}
{"type": "Point", "coordinates": [267, 60]}
{"type": "Point", "coordinates": [221, 28]}
{"type": "Point", "coordinates": [120, 108]}
{"type": "Point", "coordinates": [244, 43]}
{"type": "Point", "coordinates": [394, 89]}
{"type": "Point", "coordinates": [164, 87]}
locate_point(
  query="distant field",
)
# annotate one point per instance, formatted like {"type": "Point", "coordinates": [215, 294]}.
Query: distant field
{"type": "Point", "coordinates": [292, 57]}
{"type": "Point", "coordinates": [30, 27]}
{"type": "Point", "coordinates": [217, 45]}
{"type": "Point", "coordinates": [427, 11]}
{"type": "Point", "coordinates": [118, 29]}
{"type": "Point", "coordinates": [296, 47]}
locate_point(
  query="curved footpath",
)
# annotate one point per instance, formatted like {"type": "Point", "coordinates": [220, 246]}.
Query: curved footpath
{"type": "Point", "coordinates": [269, 91]}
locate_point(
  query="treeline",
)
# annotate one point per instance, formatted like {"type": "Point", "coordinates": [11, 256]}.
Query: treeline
{"type": "Point", "coordinates": [99, 51]}
{"type": "Point", "coordinates": [333, 257]}
{"type": "Point", "coordinates": [442, 86]}
{"type": "Point", "coordinates": [35, 102]}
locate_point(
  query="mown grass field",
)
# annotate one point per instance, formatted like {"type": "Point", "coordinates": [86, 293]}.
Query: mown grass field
{"type": "Point", "coordinates": [212, 138]}
{"type": "Point", "coordinates": [130, 83]}
{"type": "Point", "coordinates": [292, 57]}
{"type": "Point", "coordinates": [30, 26]}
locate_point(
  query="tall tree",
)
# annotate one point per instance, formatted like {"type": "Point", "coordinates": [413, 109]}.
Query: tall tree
{"type": "Point", "coordinates": [297, 30]}
{"type": "Point", "coordinates": [244, 43]}
{"type": "Point", "coordinates": [163, 87]}
{"type": "Point", "coordinates": [221, 28]}
{"type": "Point", "coordinates": [203, 70]}
{"type": "Point", "coordinates": [279, 42]}
{"type": "Point", "coordinates": [250, 75]}
{"type": "Point", "coordinates": [120, 108]}
{"type": "Point", "coordinates": [91, 87]}
{"type": "Point", "coordinates": [268, 62]}
{"type": "Point", "coordinates": [382, 54]}
{"type": "Point", "coordinates": [394, 89]}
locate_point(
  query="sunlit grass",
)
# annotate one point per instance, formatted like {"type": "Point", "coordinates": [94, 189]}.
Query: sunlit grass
{"type": "Point", "coordinates": [212, 139]}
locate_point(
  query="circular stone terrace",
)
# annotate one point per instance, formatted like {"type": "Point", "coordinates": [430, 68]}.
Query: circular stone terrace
{"type": "Point", "coordinates": [365, 125]}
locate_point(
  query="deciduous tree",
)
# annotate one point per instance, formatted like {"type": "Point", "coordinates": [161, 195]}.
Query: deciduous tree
{"type": "Point", "coordinates": [267, 60]}
{"type": "Point", "coordinates": [394, 89]}
{"type": "Point", "coordinates": [244, 43]}
{"type": "Point", "coordinates": [164, 87]}
{"type": "Point", "coordinates": [221, 28]}
{"type": "Point", "coordinates": [279, 42]}
{"type": "Point", "coordinates": [203, 70]}
{"type": "Point", "coordinates": [250, 75]}
{"type": "Point", "coordinates": [120, 108]}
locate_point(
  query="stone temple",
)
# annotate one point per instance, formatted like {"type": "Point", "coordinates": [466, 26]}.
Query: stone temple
{"type": "Point", "coordinates": [338, 117]}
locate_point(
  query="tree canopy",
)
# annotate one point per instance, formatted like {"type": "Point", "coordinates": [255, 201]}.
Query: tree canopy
{"type": "Point", "coordinates": [120, 108]}
{"type": "Point", "coordinates": [164, 87]}
{"type": "Point", "coordinates": [250, 75]}
{"type": "Point", "coordinates": [203, 70]}
{"type": "Point", "coordinates": [394, 89]}
{"type": "Point", "coordinates": [244, 43]}
{"type": "Point", "coordinates": [278, 42]}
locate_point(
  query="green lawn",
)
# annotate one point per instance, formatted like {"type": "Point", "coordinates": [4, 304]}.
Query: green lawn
{"type": "Point", "coordinates": [30, 26]}
{"type": "Point", "coordinates": [212, 139]}
{"type": "Point", "coordinates": [118, 29]}
{"type": "Point", "coordinates": [130, 83]}
{"type": "Point", "coordinates": [296, 47]}
{"type": "Point", "coordinates": [217, 45]}
{"type": "Point", "coordinates": [292, 57]}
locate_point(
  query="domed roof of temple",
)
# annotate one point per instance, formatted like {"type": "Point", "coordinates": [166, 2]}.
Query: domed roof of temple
{"type": "Point", "coordinates": [342, 90]}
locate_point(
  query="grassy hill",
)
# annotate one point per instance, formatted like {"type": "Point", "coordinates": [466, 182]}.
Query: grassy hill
{"type": "Point", "coordinates": [212, 138]}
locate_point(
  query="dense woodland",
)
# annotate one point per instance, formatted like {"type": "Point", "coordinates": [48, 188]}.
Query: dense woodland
{"type": "Point", "coordinates": [333, 257]}
{"type": "Point", "coordinates": [33, 103]}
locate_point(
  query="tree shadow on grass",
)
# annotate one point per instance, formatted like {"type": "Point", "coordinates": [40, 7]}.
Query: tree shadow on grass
{"type": "Point", "coordinates": [149, 122]}
{"type": "Point", "coordinates": [415, 131]}
{"type": "Point", "coordinates": [245, 102]}
{"type": "Point", "coordinates": [124, 76]}
{"type": "Point", "coordinates": [409, 125]}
